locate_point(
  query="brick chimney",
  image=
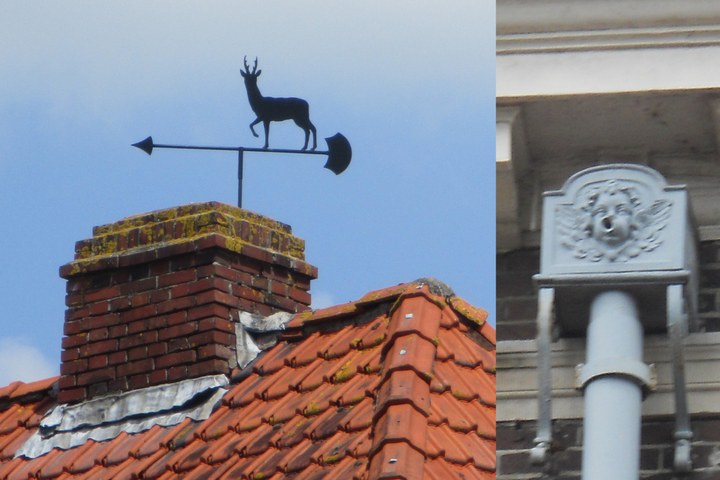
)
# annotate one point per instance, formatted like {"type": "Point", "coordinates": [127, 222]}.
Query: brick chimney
{"type": "Point", "coordinates": [153, 298]}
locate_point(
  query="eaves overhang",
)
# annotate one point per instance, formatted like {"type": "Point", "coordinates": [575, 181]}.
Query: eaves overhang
{"type": "Point", "coordinates": [601, 82]}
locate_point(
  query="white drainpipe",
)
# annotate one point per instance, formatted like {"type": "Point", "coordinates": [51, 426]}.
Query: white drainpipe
{"type": "Point", "coordinates": [613, 395]}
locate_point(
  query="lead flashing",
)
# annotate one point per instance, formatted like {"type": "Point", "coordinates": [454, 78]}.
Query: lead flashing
{"type": "Point", "coordinates": [103, 418]}
{"type": "Point", "coordinates": [255, 333]}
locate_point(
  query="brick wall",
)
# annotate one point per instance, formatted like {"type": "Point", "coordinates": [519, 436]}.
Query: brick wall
{"type": "Point", "coordinates": [153, 298]}
{"type": "Point", "coordinates": [517, 308]}
{"type": "Point", "coordinates": [516, 294]}
{"type": "Point", "coordinates": [709, 299]}
{"type": "Point", "coordinates": [514, 439]}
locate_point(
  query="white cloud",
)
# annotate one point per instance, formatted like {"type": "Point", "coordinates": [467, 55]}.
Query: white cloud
{"type": "Point", "coordinates": [71, 55]}
{"type": "Point", "coordinates": [322, 300]}
{"type": "Point", "coordinates": [20, 360]}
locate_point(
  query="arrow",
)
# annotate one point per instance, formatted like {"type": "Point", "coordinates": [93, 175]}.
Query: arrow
{"type": "Point", "coordinates": [339, 151]}
{"type": "Point", "coordinates": [339, 154]}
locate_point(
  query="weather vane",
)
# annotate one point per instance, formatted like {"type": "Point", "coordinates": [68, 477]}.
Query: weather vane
{"type": "Point", "coordinates": [269, 109]}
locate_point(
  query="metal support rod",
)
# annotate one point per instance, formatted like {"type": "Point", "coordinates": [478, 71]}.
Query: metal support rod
{"type": "Point", "coordinates": [240, 176]}
{"type": "Point", "coordinates": [677, 326]}
{"type": "Point", "coordinates": [613, 400]}
{"type": "Point", "coordinates": [246, 149]}
{"type": "Point", "coordinates": [540, 452]}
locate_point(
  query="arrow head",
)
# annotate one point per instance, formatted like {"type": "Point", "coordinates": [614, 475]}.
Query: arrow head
{"type": "Point", "coordinates": [339, 153]}
{"type": "Point", "coordinates": [145, 145]}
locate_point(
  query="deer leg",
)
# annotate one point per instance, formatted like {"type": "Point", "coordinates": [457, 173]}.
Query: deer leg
{"type": "Point", "coordinates": [307, 126]}
{"type": "Point", "coordinates": [266, 124]}
{"type": "Point", "coordinates": [314, 132]}
{"type": "Point", "coordinates": [252, 127]}
{"type": "Point", "coordinates": [307, 135]}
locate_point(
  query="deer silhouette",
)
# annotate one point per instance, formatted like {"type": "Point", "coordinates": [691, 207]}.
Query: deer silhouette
{"type": "Point", "coordinates": [269, 109]}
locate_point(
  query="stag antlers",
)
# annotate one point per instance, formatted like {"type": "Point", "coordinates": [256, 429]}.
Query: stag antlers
{"type": "Point", "coordinates": [247, 68]}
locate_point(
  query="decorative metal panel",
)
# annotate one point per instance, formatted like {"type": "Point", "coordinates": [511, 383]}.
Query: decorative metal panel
{"type": "Point", "coordinates": [614, 218]}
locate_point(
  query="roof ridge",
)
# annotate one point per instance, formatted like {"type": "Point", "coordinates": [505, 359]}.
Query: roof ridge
{"type": "Point", "coordinates": [403, 399]}
{"type": "Point", "coordinates": [17, 391]}
{"type": "Point", "coordinates": [435, 290]}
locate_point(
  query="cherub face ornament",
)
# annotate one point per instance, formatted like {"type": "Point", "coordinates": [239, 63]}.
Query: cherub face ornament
{"type": "Point", "coordinates": [612, 217]}
{"type": "Point", "coordinates": [612, 221]}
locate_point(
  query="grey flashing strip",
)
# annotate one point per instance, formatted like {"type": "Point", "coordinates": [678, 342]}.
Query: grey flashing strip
{"type": "Point", "coordinates": [246, 347]}
{"type": "Point", "coordinates": [68, 426]}
{"type": "Point", "coordinates": [257, 323]}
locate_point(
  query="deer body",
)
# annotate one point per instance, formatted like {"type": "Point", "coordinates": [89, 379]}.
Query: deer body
{"type": "Point", "coordinates": [269, 109]}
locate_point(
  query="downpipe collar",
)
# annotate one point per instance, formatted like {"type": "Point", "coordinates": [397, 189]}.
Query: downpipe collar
{"type": "Point", "coordinates": [635, 370]}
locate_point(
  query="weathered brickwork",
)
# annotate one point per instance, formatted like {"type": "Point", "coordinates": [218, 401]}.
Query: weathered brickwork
{"type": "Point", "coordinates": [154, 298]}
{"type": "Point", "coordinates": [516, 294]}
{"type": "Point", "coordinates": [517, 308]}
{"type": "Point", "coordinates": [514, 439]}
{"type": "Point", "coordinates": [709, 301]}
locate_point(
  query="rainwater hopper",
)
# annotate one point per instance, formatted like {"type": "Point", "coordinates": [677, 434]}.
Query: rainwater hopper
{"type": "Point", "coordinates": [618, 260]}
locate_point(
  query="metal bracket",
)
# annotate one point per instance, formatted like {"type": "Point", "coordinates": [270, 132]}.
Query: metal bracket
{"type": "Point", "coordinates": [541, 452]}
{"type": "Point", "coordinates": [677, 329]}
{"type": "Point", "coordinates": [644, 375]}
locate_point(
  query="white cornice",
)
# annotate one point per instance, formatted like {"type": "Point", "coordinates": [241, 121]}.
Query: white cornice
{"type": "Point", "coordinates": [545, 16]}
{"type": "Point", "coordinates": [576, 41]}
{"type": "Point", "coordinates": [547, 26]}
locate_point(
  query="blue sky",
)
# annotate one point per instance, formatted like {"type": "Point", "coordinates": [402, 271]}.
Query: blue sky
{"type": "Point", "coordinates": [410, 84]}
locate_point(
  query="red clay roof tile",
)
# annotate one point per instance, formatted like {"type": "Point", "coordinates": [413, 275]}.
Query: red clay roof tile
{"type": "Point", "coordinates": [54, 466]}
{"type": "Point", "coordinates": [285, 408]}
{"type": "Point", "coordinates": [356, 389]}
{"type": "Point", "coordinates": [292, 432]}
{"type": "Point", "coordinates": [441, 470]}
{"type": "Point", "coordinates": [398, 383]}
{"type": "Point", "coordinates": [217, 425]}
{"type": "Point", "coordinates": [120, 450]}
{"type": "Point", "coordinates": [327, 425]}
{"type": "Point", "coordinates": [461, 448]}
{"type": "Point", "coordinates": [397, 460]}
{"type": "Point", "coordinates": [383, 294]}
{"type": "Point", "coordinates": [411, 352]}
{"type": "Point", "coordinates": [202, 472]}
{"type": "Point", "coordinates": [8, 389]}
{"type": "Point", "coordinates": [343, 341]}
{"type": "Point", "coordinates": [220, 471]}
{"type": "Point", "coordinates": [299, 456]}
{"type": "Point", "coordinates": [359, 416]}
{"type": "Point", "coordinates": [301, 354]}
{"type": "Point", "coordinates": [313, 375]}
{"type": "Point", "coordinates": [402, 423]}
{"type": "Point", "coordinates": [474, 314]}
{"type": "Point", "coordinates": [404, 387]}
{"type": "Point", "coordinates": [149, 442]}
{"type": "Point", "coordinates": [373, 333]}
{"type": "Point", "coordinates": [191, 456]}
{"type": "Point", "coordinates": [222, 449]}
{"type": "Point", "coordinates": [10, 442]}
{"type": "Point", "coordinates": [338, 311]}
{"type": "Point", "coordinates": [37, 387]}
{"type": "Point", "coordinates": [275, 360]}
{"type": "Point", "coordinates": [245, 392]}
{"type": "Point", "coordinates": [317, 402]}
{"type": "Point", "coordinates": [417, 316]}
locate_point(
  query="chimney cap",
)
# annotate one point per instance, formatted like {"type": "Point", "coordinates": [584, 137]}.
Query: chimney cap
{"type": "Point", "coordinates": [187, 228]}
